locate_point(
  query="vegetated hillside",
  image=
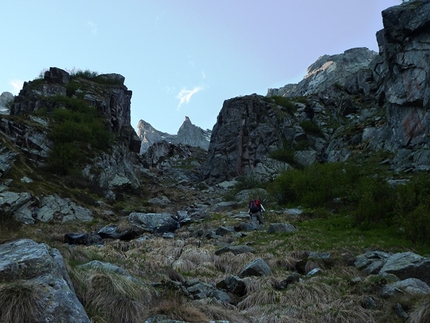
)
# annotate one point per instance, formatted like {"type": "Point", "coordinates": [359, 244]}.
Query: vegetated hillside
{"type": "Point", "coordinates": [166, 236]}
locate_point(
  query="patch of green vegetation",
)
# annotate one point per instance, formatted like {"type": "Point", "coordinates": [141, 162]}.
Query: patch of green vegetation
{"type": "Point", "coordinates": [72, 87]}
{"type": "Point", "coordinates": [285, 155]}
{"type": "Point", "coordinates": [300, 99]}
{"type": "Point", "coordinates": [368, 200]}
{"type": "Point", "coordinates": [247, 181]}
{"type": "Point", "coordinates": [8, 222]}
{"type": "Point", "coordinates": [311, 128]}
{"type": "Point", "coordinates": [285, 102]}
{"type": "Point", "coordinates": [302, 145]}
{"type": "Point", "coordinates": [77, 130]}
{"type": "Point", "coordinates": [94, 77]}
{"type": "Point", "coordinates": [85, 74]}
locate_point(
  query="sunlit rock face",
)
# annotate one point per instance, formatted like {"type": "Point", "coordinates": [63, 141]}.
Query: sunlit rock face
{"type": "Point", "coordinates": [327, 71]}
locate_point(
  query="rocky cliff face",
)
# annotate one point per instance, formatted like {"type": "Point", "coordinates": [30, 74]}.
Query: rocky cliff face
{"type": "Point", "coordinates": [28, 126]}
{"type": "Point", "coordinates": [357, 101]}
{"type": "Point", "coordinates": [401, 72]}
{"type": "Point", "coordinates": [188, 134]}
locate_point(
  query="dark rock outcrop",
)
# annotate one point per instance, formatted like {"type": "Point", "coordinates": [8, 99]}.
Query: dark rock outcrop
{"type": "Point", "coordinates": [109, 173]}
{"type": "Point", "coordinates": [247, 130]}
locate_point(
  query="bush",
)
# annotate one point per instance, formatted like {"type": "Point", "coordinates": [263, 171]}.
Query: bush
{"type": "Point", "coordinates": [311, 128]}
{"type": "Point", "coordinates": [87, 74]}
{"type": "Point", "coordinates": [285, 102]}
{"type": "Point", "coordinates": [412, 208]}
{"type": "Point", "coordinates": [375, 201]}
{"type": "Point", "coordinates": [285, 155]}
{"type": "Point", "coordinates": [314, 186]}
{"type": "Point", "coordinates": [247, 181]}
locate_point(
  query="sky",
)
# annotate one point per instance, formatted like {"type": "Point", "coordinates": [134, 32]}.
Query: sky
{"type": "Point", "coordinates": [182, 57]}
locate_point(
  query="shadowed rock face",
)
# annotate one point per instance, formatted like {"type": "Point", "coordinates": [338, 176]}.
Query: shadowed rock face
{"type": "Point", "coordinates": [403, 71]}
{"type": "Point", "coordinates": [108, 94]}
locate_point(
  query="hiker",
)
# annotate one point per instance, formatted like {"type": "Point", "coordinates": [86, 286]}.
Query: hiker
{"type": "Point", "coordinates": [255, 209]}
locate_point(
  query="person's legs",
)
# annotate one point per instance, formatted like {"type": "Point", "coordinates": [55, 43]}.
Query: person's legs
{"type": "Point", "coordinates": [260, 218]}
{"type": "Point", "coordinates": [254, 221]}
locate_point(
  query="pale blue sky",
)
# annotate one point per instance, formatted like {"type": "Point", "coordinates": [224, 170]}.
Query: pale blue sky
{"type": "Point", "coordinates": [182, 57]}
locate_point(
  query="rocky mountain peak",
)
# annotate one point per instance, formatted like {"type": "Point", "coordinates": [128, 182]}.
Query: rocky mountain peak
{"type": "Point", "coordinates": [188, 134]}
{"type": "Point", "coordinates": [327, 71]}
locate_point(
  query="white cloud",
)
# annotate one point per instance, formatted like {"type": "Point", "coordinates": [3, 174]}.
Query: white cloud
{"type": "Point", "coordinates": [93, 27]}
{"type": "Point", "coordinates": [185, 95]}
{"type": "Point", "coordinates": [16, 86]}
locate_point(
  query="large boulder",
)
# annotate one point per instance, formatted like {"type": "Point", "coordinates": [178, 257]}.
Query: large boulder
{"type": "Point", "coordinates": [153, 222]}
{"type": "Point", "coordinates": [35, 273]}
{"type": "Point", "coordinates": [408, 265]}
{"type": "Point", "coordinates": [256, 268]}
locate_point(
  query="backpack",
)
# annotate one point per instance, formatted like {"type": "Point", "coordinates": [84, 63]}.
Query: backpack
{"type": "Point", "coordinates": [254, 206]}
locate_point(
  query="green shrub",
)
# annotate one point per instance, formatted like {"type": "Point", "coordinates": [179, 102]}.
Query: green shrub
{"type": "Point", "coordinates": [315, 185]}
{"type": "Point", "coordinates": [87, 74]}
{"type": "Point", "coordinates": [247, 181]}
{"type": "Point", "coordinates": [416, 225]}
{"type": "Point", "coordinates": [285, 155]}
{"type": "Point", "coordinates": [412, 208]}
{"type": "Point", "coordinates": [77, 130]}
{"type": "Point", "coordinates": [8, 222]}
{"type": "Point", "coordinates": [374, 199]}
{"type": "Point", "coordinates": [311, 128]}
{"type": "Point", "coordinates": [285, 102]}
{"type": "Point", "coordinates": [71, 88]}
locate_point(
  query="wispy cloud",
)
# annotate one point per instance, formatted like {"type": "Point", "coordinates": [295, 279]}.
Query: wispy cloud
{"type": "Point", "coordinates": [16, 86]}
{"type": "Point", "coordinates": [185, 95]}
{"type": "Point", "coordinates": [93, 27]}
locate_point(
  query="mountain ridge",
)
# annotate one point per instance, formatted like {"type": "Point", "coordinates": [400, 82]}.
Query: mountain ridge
{"type": "Point", "coordinates": [188, 134]}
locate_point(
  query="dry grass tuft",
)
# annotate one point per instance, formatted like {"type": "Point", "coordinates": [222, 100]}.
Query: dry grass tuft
{"type": "Point", "coordinates": [113, 297]}
{"type": "Point", "coordinates": [232, 264]}
{"type": "Point", "coordinates": [287, 263]}
{"type": "Point", "coordinates": [421, 314]}
{"type": "Point", "coordinates": [195, 259]}
{"type": "Point", "coordinates": [220, 312]}
{"type": "Point", "coordinates": [307, 301]}
{"type": "Point", "coordinates": [19, 302]}
{"type": "Point", "coordinates": [175, 276]}
{"type": "Point", "coordinates": [176, 309]}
